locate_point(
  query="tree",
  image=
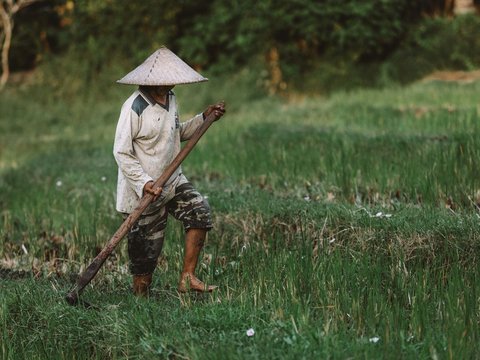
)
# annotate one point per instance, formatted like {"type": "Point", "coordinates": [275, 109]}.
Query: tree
{"type": "Point", "coordinates": [8, 9]}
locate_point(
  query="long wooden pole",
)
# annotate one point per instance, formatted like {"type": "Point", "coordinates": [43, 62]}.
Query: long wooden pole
{"type": "Point", "coordinates": [89, 273]}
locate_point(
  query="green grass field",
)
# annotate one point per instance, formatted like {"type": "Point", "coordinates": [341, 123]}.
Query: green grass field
{"type": "Point", "coordinates": [346, 226]}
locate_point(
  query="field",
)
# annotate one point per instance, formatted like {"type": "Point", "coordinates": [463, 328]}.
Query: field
{"type": "Point", "coordinates": [346, 226]}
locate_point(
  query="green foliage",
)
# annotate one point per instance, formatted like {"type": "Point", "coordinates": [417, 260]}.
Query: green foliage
{"type": "Point", "coordinates": [291, 40]}
{"type": "Point", "coordinates": [104, 29]}
{"type": "Point", "coordinates": [229, 33]}
{"type": "Point", "coordinates": [432, 45]}
{"type": "Point", "coordinates": [36, 32]}
{"type": "Point", "coordinates": [437, 44]}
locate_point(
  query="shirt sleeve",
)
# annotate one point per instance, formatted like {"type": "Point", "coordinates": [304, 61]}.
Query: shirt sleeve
{"type": "Point", "coordinates": [124, 153]}
{"type": "Point", "coordinates": [188, 128]}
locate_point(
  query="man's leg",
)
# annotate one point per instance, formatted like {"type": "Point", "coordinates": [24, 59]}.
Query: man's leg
{"type": "Point", "coordinates": [192, 209]}
{"type": "Point", "coordinates": [194, 240]}
{"type": "Point", "coordinates": [141, 284]}
{"type": "Point", "coordinates": [145, 241]}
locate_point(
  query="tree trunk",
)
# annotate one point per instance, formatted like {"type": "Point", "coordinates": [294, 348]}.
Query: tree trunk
{"type": "Point", "coordinates": [464, 7]}
{"type": "Point", "coordinates": [8, 9]}
{"type": "Point", "coordinates": [7, 23]}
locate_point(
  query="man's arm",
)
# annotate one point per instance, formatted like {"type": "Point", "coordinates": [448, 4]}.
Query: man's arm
{"type": "Point", "coordinates": [128, 163]}
{"type": "Point", "coordinates": [188, 128]}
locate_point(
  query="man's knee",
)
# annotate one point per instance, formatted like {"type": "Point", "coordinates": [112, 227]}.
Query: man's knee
{"type": "Point", "coordinates": [197, 215]}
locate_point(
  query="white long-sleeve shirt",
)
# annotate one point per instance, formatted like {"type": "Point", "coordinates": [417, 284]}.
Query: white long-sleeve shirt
{"type": "Point", "coordinates": [147, 139]}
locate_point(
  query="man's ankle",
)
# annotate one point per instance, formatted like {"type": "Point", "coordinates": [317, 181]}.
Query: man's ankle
{"type": "Point", "coordinates": [141, 284]}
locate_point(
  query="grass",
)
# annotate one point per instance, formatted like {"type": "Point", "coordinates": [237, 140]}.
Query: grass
{"type": "Point", "coordinates": [339, 220]}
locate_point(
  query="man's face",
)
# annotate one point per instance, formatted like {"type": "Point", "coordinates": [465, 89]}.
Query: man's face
{"type": "Point", "coordinates": [161, 90]}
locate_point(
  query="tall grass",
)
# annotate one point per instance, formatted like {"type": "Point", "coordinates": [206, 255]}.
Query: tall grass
{"type": "Point", "coordinates": [346, 227]}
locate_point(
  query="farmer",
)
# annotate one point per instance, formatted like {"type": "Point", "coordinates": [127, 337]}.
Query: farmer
{"type": "Point", "coordinates": [147, 139]}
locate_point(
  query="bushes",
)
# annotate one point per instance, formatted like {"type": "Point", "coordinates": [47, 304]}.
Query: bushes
{"type": "Point", "coordinates": [227, 33]}
{"type": "Point", "coordinates": [432, 45]}
{"type": "Point", "coordinates": [343, 44]}
{"type": "Point", "coordinates": [437, 44]}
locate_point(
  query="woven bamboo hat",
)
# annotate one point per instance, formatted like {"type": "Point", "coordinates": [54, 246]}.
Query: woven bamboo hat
{"type": "Point", "coordinates": [163, 67]}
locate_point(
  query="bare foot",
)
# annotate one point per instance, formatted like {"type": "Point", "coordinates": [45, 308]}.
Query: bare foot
{"type": "Point", "coordinates": [191, 282]}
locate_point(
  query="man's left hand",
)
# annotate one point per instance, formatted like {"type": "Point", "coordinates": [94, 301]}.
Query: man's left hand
{"type": "Point", "coordinates": [217, 109]}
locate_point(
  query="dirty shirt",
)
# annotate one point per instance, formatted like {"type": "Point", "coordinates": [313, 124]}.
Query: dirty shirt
{"type": "Point", "coordinates": [147, 139]}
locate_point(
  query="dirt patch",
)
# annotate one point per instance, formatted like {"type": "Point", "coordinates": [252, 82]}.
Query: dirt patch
{"type": "Point", "coordinates": [454, 76]}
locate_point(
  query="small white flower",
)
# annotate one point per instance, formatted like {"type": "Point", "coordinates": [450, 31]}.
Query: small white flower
{"type": "Point", "coordinates": [250, 332]}
{"type": "Point", "coordinates": [59, 183]}
{"type": "Point", "coordinates": [306, 198]}
{"type": "Point", "coordinates": [24, 249]}
{"type": "Point", "coordinates": [104, 178]}
{"type": "Point", "coordinates": [374, 339]}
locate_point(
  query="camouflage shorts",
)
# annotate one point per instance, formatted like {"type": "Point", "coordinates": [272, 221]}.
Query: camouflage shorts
{"type": "Point", "coordinates": [145, 239]}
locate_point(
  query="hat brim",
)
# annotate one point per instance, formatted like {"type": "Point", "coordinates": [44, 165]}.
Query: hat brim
{"type": "Point", "coordinates": [162, 68]}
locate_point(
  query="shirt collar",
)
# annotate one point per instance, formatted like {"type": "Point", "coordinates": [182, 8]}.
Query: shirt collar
{"type": "Point", "coordinates": [152, 101]}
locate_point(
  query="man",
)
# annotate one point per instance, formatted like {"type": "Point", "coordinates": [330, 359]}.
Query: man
{"type": "Point", "coordinates": [147, 139]}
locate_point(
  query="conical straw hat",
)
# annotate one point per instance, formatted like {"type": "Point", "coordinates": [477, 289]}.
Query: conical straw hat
{"type": "Point", "coordinates": [163, 67]}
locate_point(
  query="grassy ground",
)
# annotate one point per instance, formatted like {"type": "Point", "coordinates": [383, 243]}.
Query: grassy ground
{"type": "Point", "coordinates": [346, 227]}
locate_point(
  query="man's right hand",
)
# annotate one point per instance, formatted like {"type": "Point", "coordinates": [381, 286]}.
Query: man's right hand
{"type": "Point", "coordinates": [148, 189]}
{"type": "Point", "coordinates": [218, 110]}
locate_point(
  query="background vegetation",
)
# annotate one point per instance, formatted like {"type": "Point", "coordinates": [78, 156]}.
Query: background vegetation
{"type": "Point", "coordinates": [313, 46]}
{"type": "Point", "coordinates": [346, 195]}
